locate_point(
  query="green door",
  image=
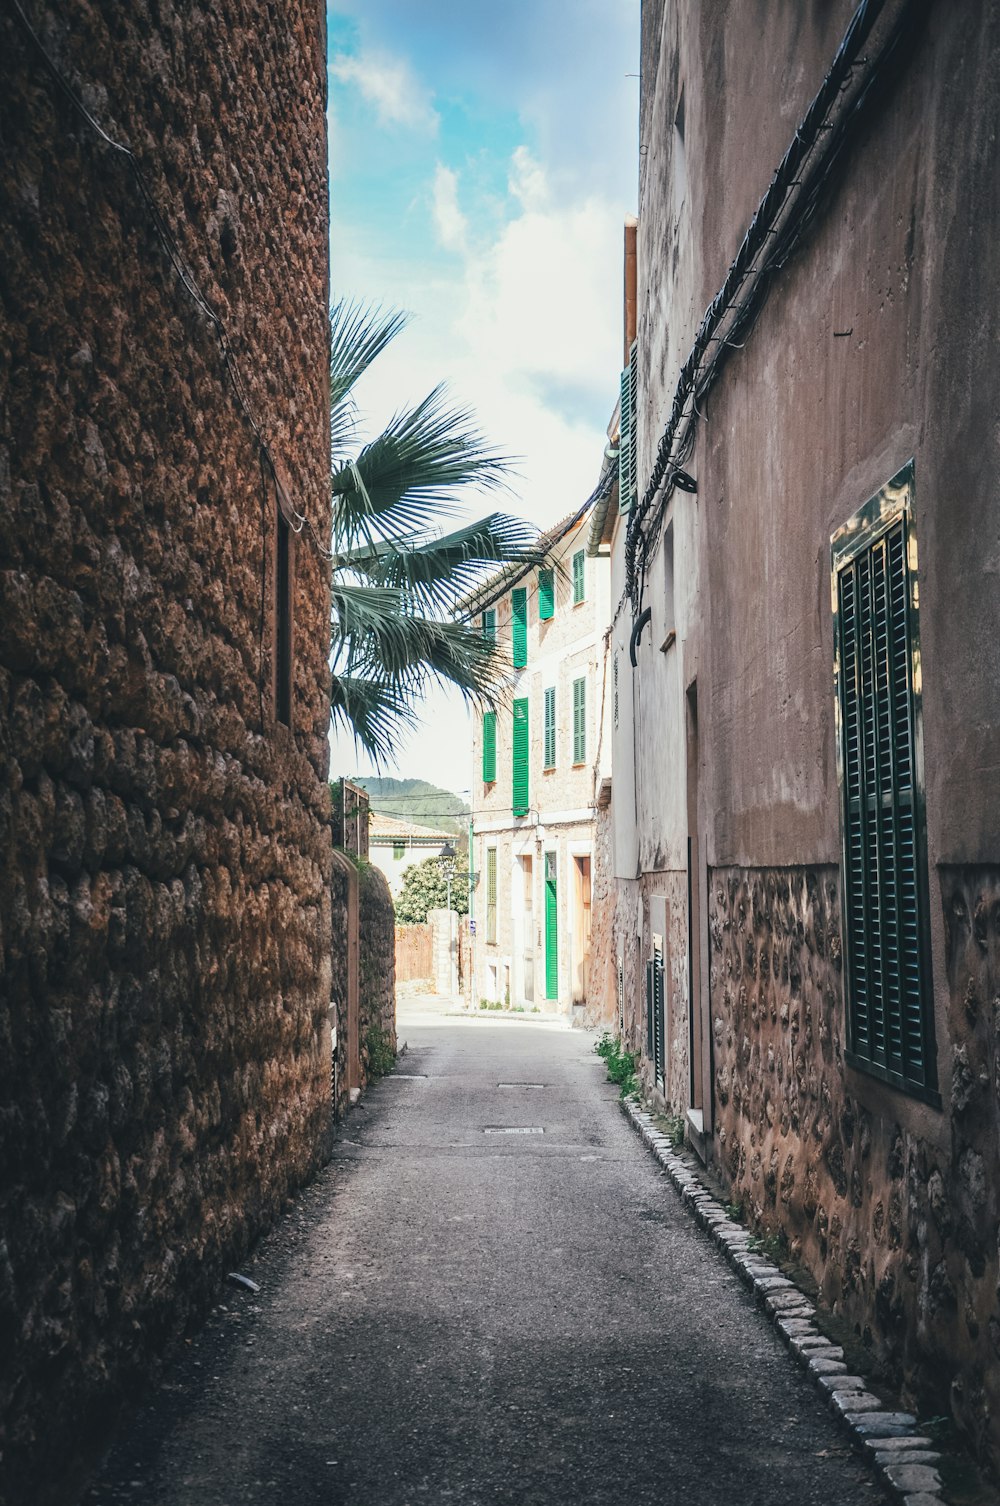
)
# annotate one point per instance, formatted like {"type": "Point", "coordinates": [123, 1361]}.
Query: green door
{"type": "Point", "coordinates": [551, 929]}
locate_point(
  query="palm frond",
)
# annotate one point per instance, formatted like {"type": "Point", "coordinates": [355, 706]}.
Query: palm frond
{"type": "Point", "coordinates": [377, 713]}
{"type": "Point", "coordinates": [438, 572]}
{"type": "Point", "coordinates": [359, 332]}
{"type": "Point", "coordinates": [407, 478]}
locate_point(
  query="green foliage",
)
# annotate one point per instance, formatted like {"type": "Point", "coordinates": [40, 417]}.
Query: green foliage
{"type": "Point", "coordinates": [675, 1130]}
{"type": "Point", "coordinates": [771, 1246]}
{"type": "Point", "coordinates": [398, 579]}
{"type": "Point", "coordinates": [381, 1056]}
{"type": "Point", "coordinates": [621, 1064]}
{"type": "Point", "coordinates": [425, 888]}
{"type": "Point", "coordinates": [735, 1212]}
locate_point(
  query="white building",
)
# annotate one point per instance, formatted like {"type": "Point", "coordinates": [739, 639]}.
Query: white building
{"type": "Point", "coordinates": [395, 844]}
{"type": "Point", "coordinates": [533, 778]}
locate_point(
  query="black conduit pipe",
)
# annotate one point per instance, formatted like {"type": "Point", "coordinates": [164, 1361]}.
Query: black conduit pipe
{"type": "Point", "coordinates": [637, 627]}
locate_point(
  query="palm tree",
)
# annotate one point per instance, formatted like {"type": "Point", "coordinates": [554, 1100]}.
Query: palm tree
{"type": "Point", "coordinates": [398, 579]}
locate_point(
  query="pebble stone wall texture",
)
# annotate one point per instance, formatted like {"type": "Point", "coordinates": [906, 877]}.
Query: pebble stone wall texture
{"type": "Point", "coordinates": [376, 961]}
{"type": "Point", "coordinates": [164, 845]}
{"type": "Point", "coordinates": [902, 1239]}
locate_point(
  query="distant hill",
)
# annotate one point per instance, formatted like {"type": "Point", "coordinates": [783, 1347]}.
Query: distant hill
{"type": "Point", "coordinates": [418, 801]}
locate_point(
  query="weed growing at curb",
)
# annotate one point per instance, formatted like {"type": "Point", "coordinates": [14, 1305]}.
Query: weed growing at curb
{"type": "Point", "coordinates": [381, 1056]}
{"type": "Point", "coordinates": [620, 1063]}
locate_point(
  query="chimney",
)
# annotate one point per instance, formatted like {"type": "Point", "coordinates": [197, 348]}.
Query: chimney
{"type": "Point", "coordinates": [631, 225]}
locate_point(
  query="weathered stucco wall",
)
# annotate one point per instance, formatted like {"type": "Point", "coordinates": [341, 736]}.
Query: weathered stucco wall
{"type": "Point", "coordinates": [164, 852]}
{"type": "Point", "coordinates": [900, 1230]}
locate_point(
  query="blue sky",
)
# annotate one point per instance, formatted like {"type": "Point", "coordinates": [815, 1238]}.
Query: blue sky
{"type": "Point", "coordinates": [482, 159]}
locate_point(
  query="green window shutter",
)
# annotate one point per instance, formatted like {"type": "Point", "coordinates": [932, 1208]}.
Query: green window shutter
{"type": "Point", "coordinates": [627, 447]}
{"type": "Point", "coordinates": [890, 1026]}
{"type": "Point", "coordinates": [546, 594]}
{"type": "Point", "coordinates": [578, 577]}
{"type": "Point", "coordinates": [489, 624]}
{"type": "Point", "coordinates": [521, 757]}
{"type": "Point", "coordinates": [491, 894]}
{"type": "Point", "coordinates": [398, 851]}
{"type": "Point", "coordinates": [519, 628]}
{"type": "Point", "coordinates": [489, 747]}
{"type": "Point", "coordinates": [579, 721]}
{"type": "Point", "coordinates": [550, 727]}
{"type": "Point", "coordinates": [551, 928]}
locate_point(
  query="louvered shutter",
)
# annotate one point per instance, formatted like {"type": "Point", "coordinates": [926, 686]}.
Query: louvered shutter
{"type": "Point", "coordinates": [491, 894]}
{"type": "Point", "coordinates": [489, 747]}
{"type": "Point", "coordinates": [890, 1029]}
{"type": "Point", "coordinates": [628, 432]}
{"type": "Point", "coordinates": [579, 721]}
{"type": "Point", "coordinates": [521, 754]}
{"type": "Point", "coordinates": [650, 1011]}
{"type": "Point", "coordinates": [579, 567]}
{"type": "Point", "coordinates": [550, 727]}
{"type": "Point", "coordinates": [546, 594]}
{"type": "Point", "coordinates": [519, 628]}
{"type": "Point", "coordinates": [489, 625]}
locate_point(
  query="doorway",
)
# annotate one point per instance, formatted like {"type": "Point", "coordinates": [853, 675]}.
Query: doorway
{"type": "Point", "coordinates": [581, 928]}
{"type": "Point", "coordinates": [528, 928]}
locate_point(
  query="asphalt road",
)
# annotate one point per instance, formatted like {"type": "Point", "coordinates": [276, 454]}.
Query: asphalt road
{"type": "Point", "coordinates": [453, 1315]}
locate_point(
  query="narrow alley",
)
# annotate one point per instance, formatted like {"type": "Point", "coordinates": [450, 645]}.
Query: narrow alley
{"type": "Point", "coordinates": [491, 1295]}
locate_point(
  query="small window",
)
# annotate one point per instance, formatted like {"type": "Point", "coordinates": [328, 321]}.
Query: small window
{"type": "Point", "coordinates": [489, 747]}
{"type": "Point", "coordinates": [890, 1024]}
{"type": "Point", "coordinates": [579, 577]}
{"type": "Point", "coordinates": [488, 622]}
{"type": "Point", "coordinates": [579, 721]}
{"type": "Point", "coordinates": [491, 894]}
{"type": "Point", "coordinates": [546, 595]}
{"type": "Point", "coordinates": [399, 851]}
{"type": "Point", "coordinates": [549, 751]}
{"type": "Point", "coordinates": [284, 567]}
{"type": "Point", "coordinates": [519, 627]}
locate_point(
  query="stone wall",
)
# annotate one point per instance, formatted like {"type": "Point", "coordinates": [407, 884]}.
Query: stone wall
{"type": "Point", "coordinates": [377, 963]}
{"type": "Point", "coordinates": [164, 844]}
{"type": "Point", "coordinates": [900, 1232]}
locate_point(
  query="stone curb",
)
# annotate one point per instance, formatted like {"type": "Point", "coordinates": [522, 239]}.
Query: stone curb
{"type": "Point", "coordinates": [903, 1459]}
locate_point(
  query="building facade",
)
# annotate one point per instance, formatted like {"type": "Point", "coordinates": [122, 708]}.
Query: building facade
{"type": "Point", "coordinates": [395, 844]}
{"type": "Point", "coordinates": [533, 779]}
{"type": "Point", "coordinates": [165, 850]}
{"type": "Point", "coordinates": [805, 805]}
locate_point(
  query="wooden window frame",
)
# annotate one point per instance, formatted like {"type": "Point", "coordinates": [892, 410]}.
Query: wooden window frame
{"type": "Point", "coordinates": [887, 815]}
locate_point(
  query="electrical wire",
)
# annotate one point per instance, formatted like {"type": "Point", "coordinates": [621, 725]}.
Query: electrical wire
{"type": "Point", "coordinates": [774, 233]}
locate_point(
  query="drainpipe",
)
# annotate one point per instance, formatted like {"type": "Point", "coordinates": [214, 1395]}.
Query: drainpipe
{"type": "Point", "coordinates": [631, 227]}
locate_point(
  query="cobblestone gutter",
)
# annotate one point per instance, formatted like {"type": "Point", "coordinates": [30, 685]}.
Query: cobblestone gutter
{"type": "Point", "coordinates": [905, 1458]}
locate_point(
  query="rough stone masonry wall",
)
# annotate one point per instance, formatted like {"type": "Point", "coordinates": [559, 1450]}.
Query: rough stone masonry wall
{"type": "Point", "coordinates": [164, 854]}
{"type": "Point", "coordinates": [902, 1239]}
{"type": "Point", "coordinates": [376, 963]}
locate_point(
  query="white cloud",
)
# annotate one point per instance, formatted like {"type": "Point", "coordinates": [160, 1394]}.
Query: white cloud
{"type": "Point", "coordinates": [390, 85]}
{"type": "Point", "coordinates": [527, 181]}
{"type": "Point", "coordinates": [449, 221]}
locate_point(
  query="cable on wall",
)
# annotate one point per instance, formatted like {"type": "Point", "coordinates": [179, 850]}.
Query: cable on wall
{"type": "Point", "coordinates": [797, 192]}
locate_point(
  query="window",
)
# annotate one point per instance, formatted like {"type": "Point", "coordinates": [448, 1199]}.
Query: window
{"type": "Point", "coordinates": [519, 800]}
{"type": "Point", "coordinates": [579, 577]}
{"type": "Point", "coordinates": [579, 721]}
{"type": "Point", "coordinates": [628, 434]}
{"type": "Point", "coordinates": [284, 567]}
{"type": "Point", "coordinates": [546, 595]}
{"type": "Point", "coordinates": [489, 746]}
{"type": "Point", "coordinates": [398, 851]}
{"type": "Point", "coordinates": [491, 894]}
{"type": "Point", "coordinates": [519, 627]}
{"type": "Point", "coordinates": [549, 752]}
{"type": "Point", "coordinates": [488, 622]}
{"type": "Point", "coordinates": [890, 1026]}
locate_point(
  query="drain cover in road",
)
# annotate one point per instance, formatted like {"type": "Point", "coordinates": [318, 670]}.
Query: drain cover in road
{"type": "Point", "coordinates": [408, 1076]}
{"type": "Point", "coordinates": [521, 1084]}
{"type": "Point", "coordinates": [514, 1129]}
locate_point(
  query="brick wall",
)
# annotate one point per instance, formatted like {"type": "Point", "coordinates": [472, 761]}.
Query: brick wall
{"type": "Point", "coordinates": [164, 845]}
